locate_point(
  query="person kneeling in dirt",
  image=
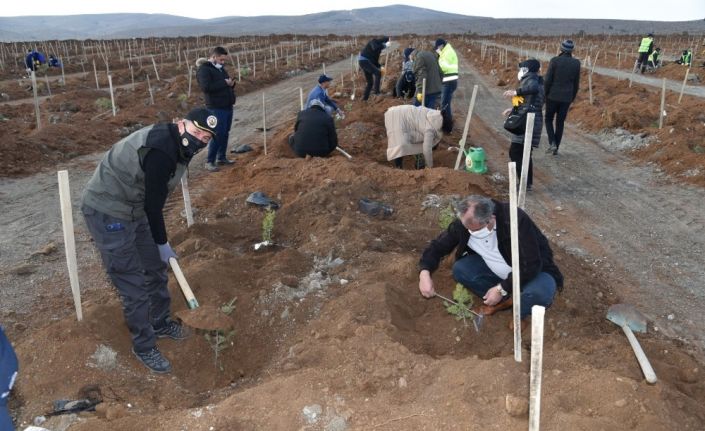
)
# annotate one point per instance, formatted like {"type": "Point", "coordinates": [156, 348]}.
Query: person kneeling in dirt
{"type": "Point", "coordinates": [122, 204]}
{"type": "Point", "coordinates": [406, 84]}
{"type": "Point", "coordinates": [482, 242]}
{"type": "Point", "coordinates": [414, 130]}
{"type": "Point", "coordinates": [314, 132]}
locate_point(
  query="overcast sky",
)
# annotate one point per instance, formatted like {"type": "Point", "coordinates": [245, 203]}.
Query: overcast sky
{"type": "Point", "coordinates": [658, 10]}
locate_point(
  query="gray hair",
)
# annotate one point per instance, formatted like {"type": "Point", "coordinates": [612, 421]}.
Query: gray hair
{"type": "Point", "coordinates": [482, 207]}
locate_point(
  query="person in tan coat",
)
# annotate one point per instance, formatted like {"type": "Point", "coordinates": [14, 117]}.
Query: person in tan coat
{"type": "Point", "coordinates": [413, 130]}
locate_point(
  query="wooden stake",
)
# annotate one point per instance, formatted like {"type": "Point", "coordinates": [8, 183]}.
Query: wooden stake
{"type": "Point", "coordinates": [151, 93]}
{"type": "Point", "coordinates": [187, 199]}
{"type": "Point", "coordinates": [239, 76]}
{"type": "Point", "coordinates": [264, 123]}
{"type": "Point", "coordinates": [190, 77]}
{"type": "Point", "coordinates": [112, 96]}
{"type": "Point", "coordinates": [537, 316]}
{"type": "Point", "coordinates": [514, 229]}
{"type": "Point", "coordinates": [46, 79]}
{"type": "Point", "coordinates": [156, 72]}
{"type": "Point", "coordinates": [423, 92]}
{"type": "Point", "coordinates": [63, 77]}
{"type": "Point", "coordinates": [386, 69]}
{"type": "Point", "coordinates": [663, 104]}
{"type": "Point", "coordinates": [526, 157]}
{"type": "Point", "coordinates": [685, 79]}
{"type": "Point", "coordinates": [467, 127]}
{"type": "Point", "coordinates": [95, 72]}
{"type": "Point", "coordinates": [324, 68]}
{"type": "Point", "coordinates": [69, 241]}
{"type": "Point", "coordinates": [590, 85]}
{"type": "Point", "coordinates": [36, 100]}
{"type": "Point", "coordinates": [301, 97]}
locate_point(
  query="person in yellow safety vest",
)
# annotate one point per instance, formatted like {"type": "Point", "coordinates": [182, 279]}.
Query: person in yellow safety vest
{"type": "Point", "coordinates": [448, 62]}
{"type": "Point", "coordinates": [646, 48]}
{"type": "Point", "coordinates": [654, 61]}
{"type": "Point", "coordinates": [686, 58]}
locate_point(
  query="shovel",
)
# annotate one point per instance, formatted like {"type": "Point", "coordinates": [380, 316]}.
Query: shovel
{"type": "Point", "coordinates": [204, 317]}
{"type": "Point", "coordinates": [476, 321]}
{"type": "Point", "coordinates": [630, 319]}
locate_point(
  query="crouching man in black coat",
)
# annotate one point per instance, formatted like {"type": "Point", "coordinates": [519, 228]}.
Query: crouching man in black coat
{"type": "Point", "coordinates": [482, 242]}
{"type": "Point", "coordinates": [314, 133]}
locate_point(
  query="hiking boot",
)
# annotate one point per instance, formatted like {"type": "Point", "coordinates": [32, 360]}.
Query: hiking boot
{"type": "Point", "coordinates": [172, 329]}
{"type": "Point", "coordinates": [154, 360]}
{"type": "Point", "coordinates": [211, 167]}
{"type": "Point", "coordinates": [225, 162]}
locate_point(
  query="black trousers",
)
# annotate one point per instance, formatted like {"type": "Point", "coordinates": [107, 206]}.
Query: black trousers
{"type": "Point", "coordinates": [372, 75]}
{"type": "Point", "coordinates": [561, 109]}
{"type": "Point", "coordinates": [516, 154]}
{"type": "Point", "coordinates": [643, 58]}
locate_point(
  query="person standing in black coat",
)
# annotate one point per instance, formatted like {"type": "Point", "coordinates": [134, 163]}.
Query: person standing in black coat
{"type": "Point", "coordinates": [219, 91]}
{"type": "Point", "coordinates": [561, 84]}
{"type": "Point", "coordinates": [530, 98]}
{"type": "Point", "coordinates": [314, 132]}
{"type": "Point", "coordinates": [369, 63]}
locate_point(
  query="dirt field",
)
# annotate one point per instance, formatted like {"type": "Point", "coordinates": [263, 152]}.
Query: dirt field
{"type": "Point", "coordinates": [331, 332]}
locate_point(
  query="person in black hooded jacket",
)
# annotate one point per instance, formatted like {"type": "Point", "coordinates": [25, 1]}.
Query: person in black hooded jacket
{"type": "Point", "coordinates": [561, 84]}
{"type": "Point", "coordinates": [531, 99]}
{"type": "Point", "coordinates": [369, 63]}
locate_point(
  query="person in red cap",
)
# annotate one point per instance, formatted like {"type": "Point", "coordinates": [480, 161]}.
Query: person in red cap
{"type": "Point", "coordinates": [122, 205]}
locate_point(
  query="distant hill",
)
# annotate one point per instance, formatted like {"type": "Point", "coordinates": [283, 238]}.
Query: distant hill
{"type": "Point", "coordinates": [391, 20]}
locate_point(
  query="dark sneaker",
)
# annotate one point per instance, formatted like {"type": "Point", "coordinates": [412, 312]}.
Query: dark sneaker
{"type": "Point", "coordinates": [154, 360]}
{"type": "Point", "coordinates": [551, 149]}
{"type": "Point", "coordinates": [173, 330]}
{"type": "Point", "coordinates": [225, 162]}
{"type": "Point", "coordinates": [211, 167]}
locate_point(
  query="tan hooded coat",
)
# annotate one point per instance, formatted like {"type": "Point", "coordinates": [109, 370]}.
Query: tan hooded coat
{"type": "Point", "coordinates": [412, 130]}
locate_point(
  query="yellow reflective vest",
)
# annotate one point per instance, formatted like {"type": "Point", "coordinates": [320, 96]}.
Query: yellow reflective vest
{"type": "Point", "coordinates": [448, 61]}
{"type": "Point", "coordinates": [645, 44]}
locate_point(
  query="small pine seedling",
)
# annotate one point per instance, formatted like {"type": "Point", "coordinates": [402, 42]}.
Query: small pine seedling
{"type": "Point", "coordinates": [268, 225]}
{"type": "Point", "coordinates": [446, 217]}
{"type": "Point", "coordinates": [461, 296]}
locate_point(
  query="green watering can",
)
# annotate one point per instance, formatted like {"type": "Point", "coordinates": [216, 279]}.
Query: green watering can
{"type": "Point", "coordinates": [475, 160]}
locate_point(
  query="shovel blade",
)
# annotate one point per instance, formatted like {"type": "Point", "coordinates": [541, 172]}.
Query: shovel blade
{"type": "Point", "coordinates": [627, 315]}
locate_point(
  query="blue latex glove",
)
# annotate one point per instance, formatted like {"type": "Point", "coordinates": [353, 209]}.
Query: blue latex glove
{"type": "Point", "coordinates": [165, 252]}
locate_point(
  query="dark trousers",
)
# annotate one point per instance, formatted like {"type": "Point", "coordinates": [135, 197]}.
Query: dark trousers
{"type": "Point", "coordinates": [131, 259]}
{"type": "Point", "coordinates": [643, 58]}
{"type": "Point", "coordinates": [560, 111]}
{"type": "Point", "coordinates": [429, 101]}
{"type": "Point", "coordinates": [372, 75]}
{"type": "Point", "coordinates": [219, 144]}
{"type": "Point", "coordinates": [516, 154]}
{"type": "Point", "coordinates": [472, 272]}
{"type": "Point", "coordinates": [449, 88]}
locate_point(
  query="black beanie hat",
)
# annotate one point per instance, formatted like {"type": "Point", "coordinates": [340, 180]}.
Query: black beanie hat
{"type": "Point", "coordinates": [439, 42]}
{"type": "Point", "coordinates": [532, 64]}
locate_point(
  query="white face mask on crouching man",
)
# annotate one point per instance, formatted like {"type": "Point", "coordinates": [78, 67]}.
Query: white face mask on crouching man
{"type": "Point", "coordinates": [522, 71]}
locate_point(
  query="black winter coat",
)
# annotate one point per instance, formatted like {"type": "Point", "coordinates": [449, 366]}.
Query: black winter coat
{"type": "Point", "coordinates": [531, 87]}
{"type": "Point", "coordinates": [218, 94]}
{"type": "Point", "coordinates": [314, 133]}
{"type": "Point", "coordinates": [562, 79]}
{"type": "Point", "coordinates": [373, 49]}
{"type": "Point", "coordinates": [535, 254]}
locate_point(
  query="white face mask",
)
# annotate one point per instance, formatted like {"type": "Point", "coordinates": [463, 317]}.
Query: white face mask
{"type": "Point", "coordinates": [438, 51]}
{"type": "Point", "coordinates": [387, 44]}
{"type": "Point", "coordinates": [218, 65]}
{"type": "Point", "coordinates": [522, 71]}
{"type": "Point", "coordinates": [480, 234]}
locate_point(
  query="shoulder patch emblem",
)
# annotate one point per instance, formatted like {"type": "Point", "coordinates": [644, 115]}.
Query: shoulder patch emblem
{"type": "Point", "coordinates": [212, 121]}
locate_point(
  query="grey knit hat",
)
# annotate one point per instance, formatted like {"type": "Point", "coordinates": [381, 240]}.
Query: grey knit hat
{"type": "Point", "coordinates": [567, 46]}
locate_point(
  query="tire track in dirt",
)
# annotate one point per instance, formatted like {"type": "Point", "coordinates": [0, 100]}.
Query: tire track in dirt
{"type": "Point", "coordinates": [31, 216]}
{"type": "Point", "coordinates": [630, 220]}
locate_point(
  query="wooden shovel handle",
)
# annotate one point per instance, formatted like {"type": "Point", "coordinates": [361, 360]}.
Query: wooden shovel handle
{"type": "Point", "coordinates": [644, 363]}
{"type": "Point", "coordinates": [185, 288]}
